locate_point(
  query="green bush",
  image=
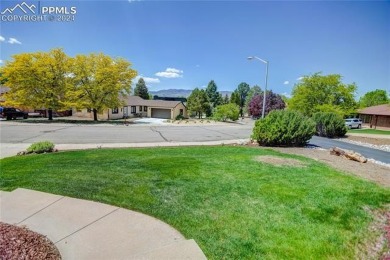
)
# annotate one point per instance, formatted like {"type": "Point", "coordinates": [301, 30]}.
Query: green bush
{"type": "Point", "coordinates": [329, 124]}
{"type": "Point", "coordinates": [41, 147]}
{"type": "Point", "coordinates": [228, 111]}
{"type": "Point", "coordinates": [180, 117]}
{"type": "Point", "coordinates": [284, 128]}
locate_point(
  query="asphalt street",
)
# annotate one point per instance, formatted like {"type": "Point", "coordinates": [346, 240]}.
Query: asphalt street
{"type": "Point", "coordinates": [367, 152]}
{"type": "Point", "coordinates": [17, 136]}
{"type": "Point", "coordinates": [84, 134]}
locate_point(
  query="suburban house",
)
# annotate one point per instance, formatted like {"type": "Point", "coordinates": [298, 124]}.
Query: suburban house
{"type": "Point", "coordinates": [376, 115]}
{"type": "Point", "coordinates": [135, 106]}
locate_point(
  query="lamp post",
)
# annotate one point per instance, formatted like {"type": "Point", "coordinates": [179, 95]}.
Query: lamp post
{"type": "Point", "coordinates": [266, 80]}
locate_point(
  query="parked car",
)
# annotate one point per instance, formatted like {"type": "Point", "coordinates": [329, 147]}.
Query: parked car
{"type": "Point", "coordinates": [353, 123]}
{"type": "Point", "coordinates": [12, 113]}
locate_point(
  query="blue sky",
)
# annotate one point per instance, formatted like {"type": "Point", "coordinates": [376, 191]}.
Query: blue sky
{"type": "Point", "coordinates": [185, 44]}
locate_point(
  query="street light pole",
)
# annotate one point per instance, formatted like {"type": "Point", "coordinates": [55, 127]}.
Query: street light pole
{"type": "Point", "coordinates": [266, 81]}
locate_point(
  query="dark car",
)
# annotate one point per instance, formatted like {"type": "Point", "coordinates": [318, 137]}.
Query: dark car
{"type": "Point", "coordinates": [12, 113]}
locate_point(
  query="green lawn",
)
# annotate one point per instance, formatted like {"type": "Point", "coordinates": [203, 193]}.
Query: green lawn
{"type": "Point", "coordinates": [369, 131]}
{"type": "Point", "coordinates": [233, 206]}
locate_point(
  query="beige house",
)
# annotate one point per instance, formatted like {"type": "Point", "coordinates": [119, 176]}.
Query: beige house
{"type": "Point", "coordinates": [138, 107]}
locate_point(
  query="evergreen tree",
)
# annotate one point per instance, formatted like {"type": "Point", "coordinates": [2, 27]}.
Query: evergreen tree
{"type": "Point", "coordinates": [242, 91]}
{"type": "Point", "coordinates": [141, 89]}
{"type": "Point", "coordinates": [198, 102]}
{"type": "Point", "coordinates": [214, 97]}
{"type": "Point", "coordinates": [226, 100]}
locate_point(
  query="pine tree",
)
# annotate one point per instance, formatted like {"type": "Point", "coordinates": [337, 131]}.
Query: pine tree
{"type": "Point", "coordinates": [141, 89]}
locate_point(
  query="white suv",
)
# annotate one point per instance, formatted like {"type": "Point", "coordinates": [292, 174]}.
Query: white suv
{"type": "Point", "coordinates": [353, 123]}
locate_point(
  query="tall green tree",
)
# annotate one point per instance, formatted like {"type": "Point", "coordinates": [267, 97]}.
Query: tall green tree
{"type": "Point", "coordinates": [213, 94]}
{"type": "Point", "coordinates": [37, 80]}
{"type": "Point", "coordinates": [242, 90]}
{"type": "Point", "coordinates": [255, 90]}
{"type": "Point", "coordinates": [99, 82]}
{"type": "Point", "coordinates": [235, 98]}
{"type": "Point", "coordinates": [318, 93]}
{"type": "Point", "coordinates": [141, 89]}
{"type": "Point", "coordinates": [226, 100]}
{"type": "Point", "coordinates": [198, 102]}
{"type": "Point", "coordinates": [374, 98]}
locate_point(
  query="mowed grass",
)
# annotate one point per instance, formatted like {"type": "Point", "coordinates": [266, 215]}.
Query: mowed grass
{"type": "Point", "coordinates": [369, 131]}
{"type": "Point", "coordinates": [233, 206]}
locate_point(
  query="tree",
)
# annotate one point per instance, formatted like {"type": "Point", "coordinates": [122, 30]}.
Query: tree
{"type": "Point", "coordinates": [317, 93]}
{"type": "Point", "coordinates": [225, 100]}
{"type": "Point", "coordinates": [374, 98]}
{"type": "Point", "coordinates": [242, 91]}
{"type": "Point", "coordinates": [273, 102]}
{"type": "Point", "coordinates": [99, 82]}
{"type": "Point", "coordinates": [255, 90]}
{"type": "Point", "coordinates": [198, 102]}
{"type": "Point", "coordinates": [37, 80]}
{"type": "Point", "coordinates": [141, 89]}
{"type": "Point", "coordinates": [235, 98]}
{"type": "Point", "coordinates": [228, 111]}
{"type": "Point", "coordinates": [214, 96]}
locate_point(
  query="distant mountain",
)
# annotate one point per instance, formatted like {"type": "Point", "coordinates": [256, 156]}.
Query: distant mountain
{"type": "Point", "coordinates": [180, 93]}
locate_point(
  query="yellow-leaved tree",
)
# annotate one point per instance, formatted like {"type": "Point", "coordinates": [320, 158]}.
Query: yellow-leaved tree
{"type": "Point", "coordinates": [37, 80]}
{"type": "Point", "coordinates": [98, 82]}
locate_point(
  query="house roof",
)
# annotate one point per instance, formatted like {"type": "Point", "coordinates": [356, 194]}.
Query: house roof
{"type": "Point", "coordinates": [381, 110]}
{"type": "Point", "coordinates": [137, 101]}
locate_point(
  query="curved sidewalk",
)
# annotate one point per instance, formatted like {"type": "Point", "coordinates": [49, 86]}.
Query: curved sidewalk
{"type": "Point", "coordinates": [89, 230]}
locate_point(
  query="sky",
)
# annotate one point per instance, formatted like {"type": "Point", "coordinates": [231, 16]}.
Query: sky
{"type": "Point", "coordinates": [185, 44]}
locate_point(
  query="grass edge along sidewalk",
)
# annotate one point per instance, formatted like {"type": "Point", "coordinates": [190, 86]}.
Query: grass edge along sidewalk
{"type": "Point", "coordinates": [236, 207]}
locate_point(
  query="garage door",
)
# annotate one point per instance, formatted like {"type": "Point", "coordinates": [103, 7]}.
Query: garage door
{"type": "Point", "coordinates": [161, 113]}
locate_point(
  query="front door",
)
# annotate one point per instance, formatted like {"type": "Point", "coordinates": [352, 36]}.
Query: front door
{"type": "Point", "coordinates": [125, 112]}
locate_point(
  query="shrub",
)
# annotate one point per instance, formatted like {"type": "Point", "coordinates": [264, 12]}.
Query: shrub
{"type": "Point", "coordinates": [41, 147]}
{"type": "Point", "coordinates": [228, 111]}
{"type": "Point", "coordinates": [179, 117]}
{"type": "Point", "coordinates": [283, 128]}
{"type": "Point", "coordinates": [329, 124]}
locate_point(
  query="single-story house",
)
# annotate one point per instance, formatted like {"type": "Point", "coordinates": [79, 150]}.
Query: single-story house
{"type": "Point", "coordinates": [135, 106]}
{"type": "Point", "coordinates": [376, 115]}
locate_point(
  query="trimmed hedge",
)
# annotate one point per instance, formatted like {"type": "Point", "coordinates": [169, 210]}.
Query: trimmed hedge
{"type": "Point", "coordinates": [329, 124]}
{"type": "Point", "coordinates": [284, 128]}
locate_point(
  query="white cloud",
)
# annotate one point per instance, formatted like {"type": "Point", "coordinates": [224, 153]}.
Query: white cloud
{"type": "Point", "coordinates": [286, 82]}
{"type": "Point", "coordinates": [2, 38]}
{"type": "Point", "coordinates": [13, 41]}
{"type": "Point", "coordinates": [300, 78]}
{"type": "Point", "coordinates": [131, 1]}
{"type": "Point", "coordinates": [1, 61]}
{"type": "Point", "coordinates": [151, 80]}
{"type": "Point", "coordinates": [147, 80]}
{"type": "Point", "coordinates": [288, 95]}
{"type": "Point", "coordinates": [170, 73]}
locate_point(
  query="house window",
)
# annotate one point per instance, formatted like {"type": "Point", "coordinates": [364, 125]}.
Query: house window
{"type": "Point", "coordinates": [140, 108]}
{"type": "Point", "coordinates": [145, 108]}
{"type": "Point", "coordinates": [89, 110]}
{"type": "Point", "coordinates": [133, 109]}
{"type": "Point", "coordinates": [115, 110]}
{"type": "Point", "coordinates": [181, 112]}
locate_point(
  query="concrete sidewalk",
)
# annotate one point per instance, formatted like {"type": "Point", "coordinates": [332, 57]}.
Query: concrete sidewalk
{"type": "Point", "coordinates": [89, 230]}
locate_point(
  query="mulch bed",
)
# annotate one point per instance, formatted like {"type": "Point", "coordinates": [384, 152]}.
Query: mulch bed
{"type": "Point", "coordinates": [21, 243]}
